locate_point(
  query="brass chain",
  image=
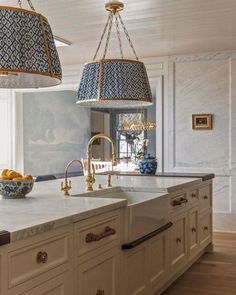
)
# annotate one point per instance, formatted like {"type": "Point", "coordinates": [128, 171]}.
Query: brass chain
{"type": "Point", "coordinates": [31, 5]}
{"type": "Point", "coordinates": [29, 2]}
{"type": "Point", "coordinates": [119, 37]}
{"type": "Point", "coordinates": [103, 34]}
{"type": "Point", "coordinates": [107, 29]}
{"type": "Point", "coordinates": [108, 36]}
{"type": "Point", "coordinates": [127, 36]}
{"type": "Point", "coordinates": [20, 4]}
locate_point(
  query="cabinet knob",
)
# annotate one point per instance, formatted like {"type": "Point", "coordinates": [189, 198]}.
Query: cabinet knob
{"type": "Point", "coordinates": [100, 292]}
{"type": "Point", "coordinates": [205, 197]}
{"type": "Point", "coordinates": [193, 230]}
{"type": "Point", "coordinates": [178, 240]}
{"type": "Point", "coordinates": [42, 257]}
{"type": "Point", "coordinates": [193, 195]}
{"type": "Point", "coordinates": [205, 228]}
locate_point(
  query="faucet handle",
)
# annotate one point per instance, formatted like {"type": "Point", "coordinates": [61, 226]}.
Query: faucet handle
{"type": "Point", "coordinates": [109, 180]}
{"type": "Point", "coordinates": [65, 187]}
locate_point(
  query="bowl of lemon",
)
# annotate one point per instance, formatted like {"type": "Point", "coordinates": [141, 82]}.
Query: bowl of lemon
{"type": "Point", "coordinates": [14, 185]}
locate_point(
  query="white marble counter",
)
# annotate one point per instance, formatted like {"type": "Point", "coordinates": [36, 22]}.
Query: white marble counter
{"type": "Point", "coordinates": [46, 208]}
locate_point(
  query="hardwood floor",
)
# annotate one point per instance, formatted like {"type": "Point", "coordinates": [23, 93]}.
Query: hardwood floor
{"type": "Point", "coordinates": [213, 274]}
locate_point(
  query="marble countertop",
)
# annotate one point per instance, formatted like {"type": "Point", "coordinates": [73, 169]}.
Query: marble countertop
{"type": "Point", "coordinates": [46, 208]}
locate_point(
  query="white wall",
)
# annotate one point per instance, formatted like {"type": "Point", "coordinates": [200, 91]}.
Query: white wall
{"type": "Point", "coordinates": [204, 83]}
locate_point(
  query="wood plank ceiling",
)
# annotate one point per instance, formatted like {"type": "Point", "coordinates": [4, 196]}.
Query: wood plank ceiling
{"type": "Point", "coordinates": [157, 27]}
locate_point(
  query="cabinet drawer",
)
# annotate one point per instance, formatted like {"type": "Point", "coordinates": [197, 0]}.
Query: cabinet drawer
{"type": "Point", "coordinates": [178, 202]}
{"type": "Point", "coordinates": [205, 197]}
{"type": "Point", "coordinates": [97, 232]}
{"type": "Point", "coordinates": [205, 228]}
{"type": "Point", "coordinates": [36, 259]}
{"type": "Point", "coordinates": [193, 197]}
{"type": "Point", "coordinates": [178, 242]}
{"type": "Point", "coordinates": [57, 286]}
{"type": "Point", "coordinates": [193, 230]}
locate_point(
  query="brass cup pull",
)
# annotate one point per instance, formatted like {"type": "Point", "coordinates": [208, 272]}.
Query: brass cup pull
{"type": "Point", "coordinates": [193, 230]}
{"type": "Point", "coordinates": [42, 257]}
{"type": "Point", "coordinates": [205, 228]}
{"type": "Point", "coordinates": [100, 292]}
{"type": "Point", "coordinates": [205, 197]}
{"type": "Point", "coordinates": [90, 237]}
{"type": "Point", "coordinates": [179, 202]}
{"type": "Point", "coordinates": [178, 240]}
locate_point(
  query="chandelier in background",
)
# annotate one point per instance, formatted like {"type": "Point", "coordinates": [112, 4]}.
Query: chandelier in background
{"type": "Point", "coordinates": [136, 125]}
{"type": "Point", "coordinates": [114, 83]}
{"type": "Point", "coordinates": [28, 55]}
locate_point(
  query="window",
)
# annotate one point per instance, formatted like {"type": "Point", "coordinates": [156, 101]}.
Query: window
{"type": "Point", "coordinates": [7, 127]}
{"type": "Point", "coordinates": [126, 142]}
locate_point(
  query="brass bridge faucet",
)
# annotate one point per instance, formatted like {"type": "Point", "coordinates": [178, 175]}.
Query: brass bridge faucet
{"type": "Point", "coordinates": [66, 185]}
{"type": "Point", "coordinates": [90, 179]}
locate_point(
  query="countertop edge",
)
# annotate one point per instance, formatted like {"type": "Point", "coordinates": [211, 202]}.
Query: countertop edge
{"type": "Point", "coordinates": [41, 228]}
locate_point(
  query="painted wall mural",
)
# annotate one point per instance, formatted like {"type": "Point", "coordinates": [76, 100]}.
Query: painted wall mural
{"type": "Point", "coordinates": [56, 131]}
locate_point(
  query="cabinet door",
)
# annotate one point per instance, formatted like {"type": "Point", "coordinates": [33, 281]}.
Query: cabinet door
{"type": "Point", "coordinates": [178, 241]}
{"type": "Point", "coordinates": [205, 228]}
{"type": "Point", "coordinates": [157, 259]}
{"type": "Point", "coordinates": [193, 230]}
{"type": "Point", "coordinates": [57, 286]}
{"type": "Point", "coordinates": [98, 275]}
{"type": "Point", "coordinates": [134, 271]}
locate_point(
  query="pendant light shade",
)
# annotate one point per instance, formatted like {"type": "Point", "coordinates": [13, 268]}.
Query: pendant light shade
{"type": "Point", "coordinates": [112, 83]}
{"type": "Point", "coordinates": [28, 55]}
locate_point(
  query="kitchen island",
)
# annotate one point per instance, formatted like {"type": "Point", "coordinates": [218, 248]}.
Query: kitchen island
{"type": "Point", "coordinates": [75, 245]}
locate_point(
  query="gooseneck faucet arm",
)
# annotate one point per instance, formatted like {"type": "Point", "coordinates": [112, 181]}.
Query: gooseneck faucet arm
{"type": "Point", "coordinates": [90, 177]}
{"type": "Point", "coordinates": [66, 185]}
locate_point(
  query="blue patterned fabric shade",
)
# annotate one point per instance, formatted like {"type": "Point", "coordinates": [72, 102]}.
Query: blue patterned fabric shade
{"type": "Point", "coordinates": [114, 83]}
{"type": "Point", "coordinates": [28, 55]}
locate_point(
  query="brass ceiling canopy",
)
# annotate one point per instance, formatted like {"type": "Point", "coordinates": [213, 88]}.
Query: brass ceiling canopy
{"type": "Point", "coordinates": [28, 55]}
{"type": "Point", "coordinates": [114, 6]}
{"type": "Point", "coordinates": [114, 83]}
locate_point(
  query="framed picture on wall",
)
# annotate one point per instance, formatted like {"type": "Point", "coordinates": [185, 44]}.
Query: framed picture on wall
{"type": "Point", "coordinates": [202, 121]}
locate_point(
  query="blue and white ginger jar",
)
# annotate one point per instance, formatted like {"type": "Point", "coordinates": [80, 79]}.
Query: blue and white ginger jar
{"type": "Point", "coordinates": [148, 165]}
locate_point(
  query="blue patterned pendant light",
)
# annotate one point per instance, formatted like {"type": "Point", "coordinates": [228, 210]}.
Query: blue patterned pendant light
{"type": "Point", "coordinates": [114, 83]}
{"type": "Point", "coordinates": [28, 55]}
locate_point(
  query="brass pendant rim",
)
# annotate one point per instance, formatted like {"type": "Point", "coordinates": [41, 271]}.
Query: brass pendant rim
{"type": "Point", "coordinates": [114, 6]}
{"type": "Point", "coordinates": [18, 9]}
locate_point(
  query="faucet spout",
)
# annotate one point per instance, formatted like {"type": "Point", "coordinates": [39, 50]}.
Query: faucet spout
{"type": "Point", "coordinates": [90, 177]}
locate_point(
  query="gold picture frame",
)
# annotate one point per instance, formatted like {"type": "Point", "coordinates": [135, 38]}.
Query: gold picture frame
{"type": "Point", "coordinates": [202, 121]}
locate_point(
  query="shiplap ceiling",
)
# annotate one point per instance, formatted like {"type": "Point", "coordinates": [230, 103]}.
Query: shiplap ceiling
{"type": "Point", "coordinates": [157, 27]}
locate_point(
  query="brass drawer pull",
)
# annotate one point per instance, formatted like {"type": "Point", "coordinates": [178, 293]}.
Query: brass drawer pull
{"type": "Point", "coordinates": [178, 240]}
{"type": "Point", "coordinates": [100, 292]}
{"type": "Point", "coordinates": [179, 202]}
{"type": "Point", "coordinates": [205, 197]}
{"type": "Point", "coordinates": [42, 257]}
{"type": "Point", "coordinates": [193, 195]}
{"type": "Point", "coordinates": [194, 230]}
{"type": "Point", "coordinates": [90, 237]}
{"type": "Point", "coordinates": [205, 228]}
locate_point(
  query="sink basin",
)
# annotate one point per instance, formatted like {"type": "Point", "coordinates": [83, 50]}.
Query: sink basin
{"type": "Point", "coordinates": [146, 211]}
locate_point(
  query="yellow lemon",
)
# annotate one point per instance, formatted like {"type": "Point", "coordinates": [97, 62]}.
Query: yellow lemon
{"type": "Point", "coordinates": [4, 172]}
{"type": "Point", "coordinates": [4, 178]}
{"type": "Point", "coordinates": [28, 177]}
{"type": "Point", "coordinates": [17, 178]}
{"type": "Point", "coordinates": [12, 174]}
